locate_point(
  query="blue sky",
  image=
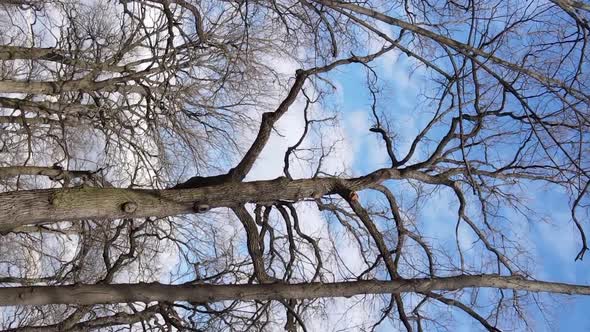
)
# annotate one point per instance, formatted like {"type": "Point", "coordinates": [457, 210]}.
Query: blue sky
{"type": "Point", "coordinates": [552, 239]}
{"type": "Point", "coordinates": [549, 236]}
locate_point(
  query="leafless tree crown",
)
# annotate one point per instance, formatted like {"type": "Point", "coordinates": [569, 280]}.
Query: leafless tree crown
{"type": "Point", "coordinates": [138, 139]}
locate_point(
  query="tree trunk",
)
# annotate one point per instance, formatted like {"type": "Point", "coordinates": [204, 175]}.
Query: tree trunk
{"type": "Point", "coordinates": [53, 205]}
{"type": "Point", "coordinates": [148, 292]}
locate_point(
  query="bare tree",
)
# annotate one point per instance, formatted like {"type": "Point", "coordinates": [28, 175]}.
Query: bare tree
{"type": "Point", "coordinates": [130, 132]}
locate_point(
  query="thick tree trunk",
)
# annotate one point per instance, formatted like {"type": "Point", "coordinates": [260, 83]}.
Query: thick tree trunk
{"type": "Point", "coordinates": [51, 205]}
{"type": "Point", "coordinates": [66, 204]}
{"type": "Point", "coordinates": [8, 52]}
{"type": "Point", "coordinates": [148, 292]}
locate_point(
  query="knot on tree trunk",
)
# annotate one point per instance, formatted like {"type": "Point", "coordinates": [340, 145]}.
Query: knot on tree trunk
{"type": "Point", "coordinates": [129, 207]}
{"type": "Point", "coordinates": [200, 207]}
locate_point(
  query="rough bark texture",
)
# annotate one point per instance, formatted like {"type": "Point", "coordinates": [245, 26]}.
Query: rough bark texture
{"type": "Point", "coordinates": [49, 205]}
{"type": "Point", "coordinates": [148, 292]}
{"type": "Point", "coordinates": [8, 52]}
{"type": "Point", "coordinates": [52, 205]}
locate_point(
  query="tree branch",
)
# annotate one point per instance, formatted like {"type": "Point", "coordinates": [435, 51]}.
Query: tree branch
{"type": "Point", "coordinates": [148, 292]}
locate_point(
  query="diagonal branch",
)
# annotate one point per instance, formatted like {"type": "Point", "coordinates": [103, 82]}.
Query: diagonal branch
{"type": "Point", "coordinates": [269, 119]}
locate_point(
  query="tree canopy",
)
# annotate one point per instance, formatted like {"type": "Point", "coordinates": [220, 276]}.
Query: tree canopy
{"type": "Point", "coordinates": [184, 165]}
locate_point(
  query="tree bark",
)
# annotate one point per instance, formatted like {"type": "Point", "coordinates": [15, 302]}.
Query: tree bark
{"type": "Point", "coordinates": [11, 171]}
{"type": "Point", "coordinates": [8, 52]}
{"type": "Point", "coordinates": [45, 106]}
{"type": "Point", "coordinates": [148, 292]}
{"type": "Point", "coordinates": [53, 205]}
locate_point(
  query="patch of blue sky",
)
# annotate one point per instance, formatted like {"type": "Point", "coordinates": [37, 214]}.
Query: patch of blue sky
{"type": "Point", "coordinates": [550, 236]}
